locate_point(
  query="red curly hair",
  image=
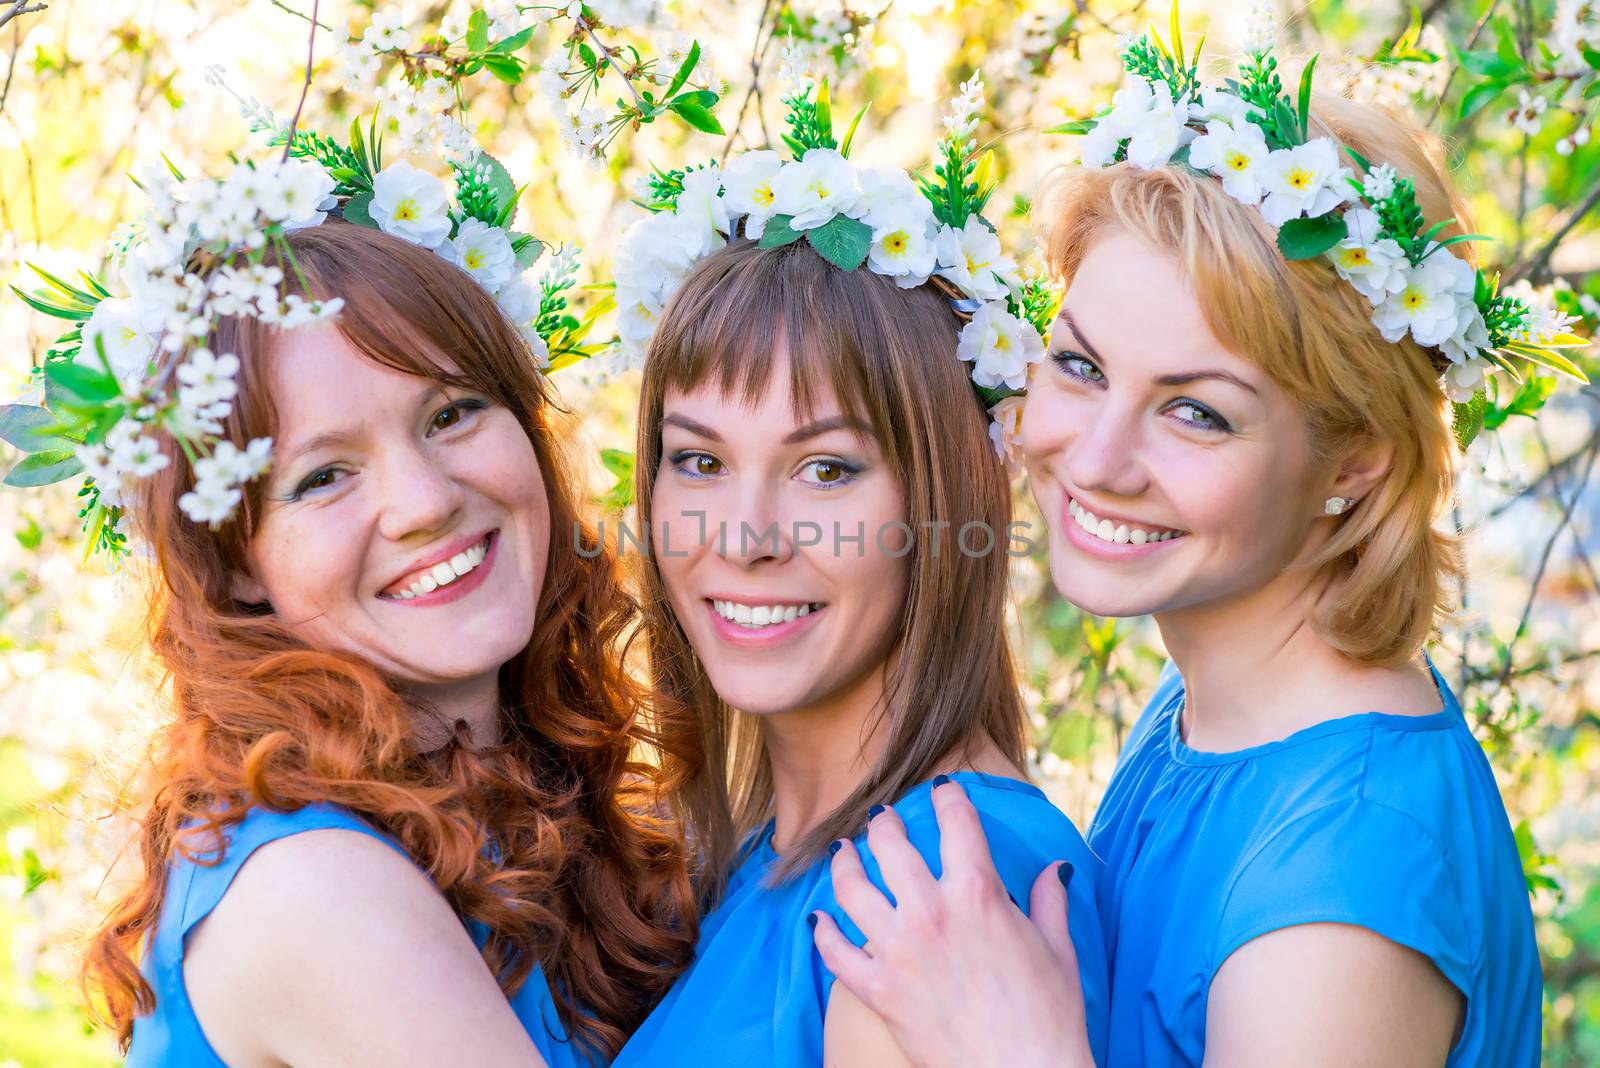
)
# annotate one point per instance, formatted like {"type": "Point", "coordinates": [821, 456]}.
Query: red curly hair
{"type": "Point", "coordinates": [585, 878]}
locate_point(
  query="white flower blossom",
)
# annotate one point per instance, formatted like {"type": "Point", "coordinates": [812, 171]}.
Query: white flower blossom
{"type": "Point", "coordinates": [127, 330]}
{"type": "Point", "coordinates": [387, 32]}
{"type": "Point", "coordinates": [1430, 306]}
{"type": "Point", "coordinates": [1378, 184]}
{"type": "Point", "coordinates": [702, 213]}
{"type": "Point", "coordinates": [971, 258]}
{"type": "Point", "coordinates": [1149, 119]}
{"type": "Point", "coordinates": [903, 244]}
{"type": "Point", "coordinates": [410, 203]}
{"type": "Point", "coordinates": [1375, 266]}
{"type": "Point", "coordinates": [210, 502]}
{"type": "Point", "coordinates": [1306, 180]}
{"type": "Point", "coordinates": [885, 190]}
{"type": "Point", "coordinates": [1217, 105]}
{"type": "Point", "coordinates": [210, 376]}
{"type": "Point", "coordinates": [484, 252]}
{"type": "Point", "coordinates": [1000, 347]}
{"type": "Point", "coordinates": [553, 77]}
{"type": "Point", "coordinates": [1528, 115]}
{"type": "Point", "coordinates": [1462, 380]}
{"type": "Point", "coordinates": [1235, 154]}
{"type": "Point", "coordinates": [815, 188]}
{"type": "Point", "coordinates": [1261, 31]}
{"type": "Point", "coordinates": [1005, 431]}
{"type": "Point", "coordinates": [747, 188]}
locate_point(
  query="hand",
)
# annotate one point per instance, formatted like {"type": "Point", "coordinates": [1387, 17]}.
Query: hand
{"type": "Point", "coordinates": [955, 970]}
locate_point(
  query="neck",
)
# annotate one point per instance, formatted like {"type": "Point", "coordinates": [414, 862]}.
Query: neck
{"type": "Point", "coordinates": [1255, 669]}
{"type": "Point", "coordinates": [475, 702]}
{"type": "Point", "coordinates": [820, 753]}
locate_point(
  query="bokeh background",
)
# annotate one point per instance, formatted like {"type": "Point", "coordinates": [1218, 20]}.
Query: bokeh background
{"type": "Point", "coordinates": [93, 89]}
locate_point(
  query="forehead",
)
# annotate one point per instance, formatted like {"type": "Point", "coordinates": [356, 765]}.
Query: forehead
{"type": "Point", "coordinates": [1129, 298]}
{"type": "Point", "coordinates": [318, 378]}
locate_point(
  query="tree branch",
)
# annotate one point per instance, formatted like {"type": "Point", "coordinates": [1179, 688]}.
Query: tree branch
{"type": "Point", "coordinates": [305, 88]}
{"type": "Point", "coordinates": [280, 5]}
{"type": "Point", "coordinates": [19, 7]}
{"type": "Point", "coordinates": [1535, 268]}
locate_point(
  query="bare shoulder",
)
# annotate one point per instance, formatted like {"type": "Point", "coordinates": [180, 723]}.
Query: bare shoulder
{"type": "Point", "coordinates": [853, 1036]}
{"type": "Point", "coordinates": [331, 947]}
{"type": "Point", "coordinates": [1329, 994]}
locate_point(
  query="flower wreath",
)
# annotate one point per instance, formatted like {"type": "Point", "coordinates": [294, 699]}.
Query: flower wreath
{"type": "Point", "coordinates": [135, 368]}
{"type": "Point", "coordinates": [911, 230]}
{"type": "Point", "coordinates": [1258, 142]}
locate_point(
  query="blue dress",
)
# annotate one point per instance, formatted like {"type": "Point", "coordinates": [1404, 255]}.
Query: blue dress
{"type": "Point", "coordinates": [757, 990]}
{"type": "Point", "coordinates": [171, 1035]}
{"type": "Point", "coordinates": [1392, 823]}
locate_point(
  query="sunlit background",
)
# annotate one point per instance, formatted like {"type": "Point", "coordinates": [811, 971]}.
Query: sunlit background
{"type": "Point", "coordinates": [93, 89]}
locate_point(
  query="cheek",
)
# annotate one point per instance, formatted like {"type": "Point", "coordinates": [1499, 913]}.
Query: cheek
{"type": "Point", "coordinates": [1046, 417]}
{"type": "Point", "coordinates": [310, 563]}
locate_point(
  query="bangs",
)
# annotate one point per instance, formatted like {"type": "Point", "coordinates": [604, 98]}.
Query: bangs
{"type": "Point", "coordinates": [740, 311]}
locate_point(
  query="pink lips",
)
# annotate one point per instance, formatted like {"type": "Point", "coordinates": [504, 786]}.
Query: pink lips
{"type": "Point", "coordinates": [456, 590]}
{"type": "Point", "coordinates": [758, 637]}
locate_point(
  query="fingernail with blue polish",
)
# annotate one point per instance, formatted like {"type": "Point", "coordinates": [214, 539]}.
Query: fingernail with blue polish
{"type": "Point", "coordinates": [872, 813]}
{"type": "Point", "coordinates": [835, 845]}
{"type": "Point", "coordinates": [811, 919]}
{"type": "Point", "coordinates": [940, 780]}
{"type": "Point", "coordinates": [1065, 872]}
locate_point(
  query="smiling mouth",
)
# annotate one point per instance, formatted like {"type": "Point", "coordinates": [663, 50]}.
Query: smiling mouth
{"type": "Point", "coordinates": [1118, 533]}
{"type": "Point", "coordinates": [425, 580]}
{"type": "Point", "coordinates": [757, 616]}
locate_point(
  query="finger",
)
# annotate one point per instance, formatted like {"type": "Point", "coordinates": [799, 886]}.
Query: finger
{"type": "Point", "coordinates": [904, 871]}
{"type": "Point", "coordinates": [963, 847]}
{"type": "Point", "coordinates": [1047, 908]}
{"type": "Point", "coordinates": [848, 963]}
{"type": "Point", "coordinates": [862, 901]}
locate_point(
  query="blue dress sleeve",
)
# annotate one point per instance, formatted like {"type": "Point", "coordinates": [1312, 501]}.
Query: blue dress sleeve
{"type": "Point", "coordinates": [1355, 862]}
{"type": "Point", "coordinates": [1022, 844]}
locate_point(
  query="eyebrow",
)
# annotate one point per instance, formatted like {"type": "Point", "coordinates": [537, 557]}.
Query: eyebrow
{"type": "Point", "coordinates": [334, 438]}
{"type": "Point", "coordinates": [1165, 380]}
{"type": "Point", "coordinates": [810, 430]}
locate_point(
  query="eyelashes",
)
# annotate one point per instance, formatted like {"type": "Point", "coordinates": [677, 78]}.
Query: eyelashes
{"type": "Point", "coordinates": [1079, 368]}
{"type": "Point", "coordinates": [697, 465]}
{"type": "Point", "coordinates": [457, 416]}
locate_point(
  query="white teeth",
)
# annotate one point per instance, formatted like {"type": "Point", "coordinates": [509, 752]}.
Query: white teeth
{"type": "Point", "coordinates": [761, 615]}
{"type": "Point", "coordinates": [1116, 533]}
{"type": "Point", "coordinates": [445, 572]}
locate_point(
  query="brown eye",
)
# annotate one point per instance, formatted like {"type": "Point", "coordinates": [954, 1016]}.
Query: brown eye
{"type": "Point", "coordinates": [707, 465]}
{"type": "Point", "coordinates": [828, 472]}
{"type": "Point", "coordinates": [447, 418]}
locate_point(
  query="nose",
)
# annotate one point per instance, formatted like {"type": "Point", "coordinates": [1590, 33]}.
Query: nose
{"type": "Point", "coordinates": [752, 532]}
{"type": "Point", "coordinates": [1105, 454]}
{"type": "Point", "coordinates": [419, 494]}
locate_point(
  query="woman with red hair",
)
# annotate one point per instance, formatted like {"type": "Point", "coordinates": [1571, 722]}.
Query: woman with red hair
{"type": "Point", "coordinates": [399, 814]}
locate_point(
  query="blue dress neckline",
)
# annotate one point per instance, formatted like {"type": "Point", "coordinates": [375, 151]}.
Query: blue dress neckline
{"type": "Point", "coordinates": [1447, 716]}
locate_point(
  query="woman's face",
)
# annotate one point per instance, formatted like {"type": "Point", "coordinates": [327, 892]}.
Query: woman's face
{"type": "Point", "coordinates": [1171, 472]}
{"type": "Point", "coordinates": [403, 520]}
{"type": "Point", "coordinates": [765, 528]}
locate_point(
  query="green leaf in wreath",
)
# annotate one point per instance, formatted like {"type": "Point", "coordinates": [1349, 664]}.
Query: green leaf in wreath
{"type": "Point", "coordinates": [779, 231]}
{"type": "Point", "coordinates": [32, 429]}
{"type": "Point", "coordinates": [1469, 419]}
{"type": "Point", "coordinates": [44, 468]}
{"type": "Point", "coordinates": [84, 386]}
{"type": "Point", "coordinates": [358, 210]}
{"type": "Point", "coordinates": [842, 241]}
{"type": "Point", "coordinates": [1303, 239]}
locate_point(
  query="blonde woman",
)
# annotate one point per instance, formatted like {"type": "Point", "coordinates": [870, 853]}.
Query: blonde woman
{"type": "Point", "coordinates": [1307, 860]}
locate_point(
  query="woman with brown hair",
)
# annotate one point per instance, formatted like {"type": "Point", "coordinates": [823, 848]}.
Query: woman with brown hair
{"type": "Point", "coordinates": [1307, 860]}
{"type": "Point", "coordinates": [400, 814]}
{"type": "Point", "coordinates": [830, 532]}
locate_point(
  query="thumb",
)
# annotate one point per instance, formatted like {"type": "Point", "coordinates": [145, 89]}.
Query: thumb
{"type": "Point", "coordinates": [1047, 909]}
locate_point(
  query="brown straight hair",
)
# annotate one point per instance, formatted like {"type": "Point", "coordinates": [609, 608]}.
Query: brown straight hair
{"type": "Point", "coordinates": [889, 356]}
{"type": "Point", "coordinates": [552, 840]}
{"type": "Point", "coordinates": [1390, 566]}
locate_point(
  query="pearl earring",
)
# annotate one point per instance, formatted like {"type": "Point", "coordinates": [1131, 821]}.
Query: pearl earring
{"type": "Point", "coordinates": [1338, 505]}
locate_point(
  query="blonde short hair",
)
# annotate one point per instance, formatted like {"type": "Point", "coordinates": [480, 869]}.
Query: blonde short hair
{"type": "Point", "coordinates": [1390, 567]}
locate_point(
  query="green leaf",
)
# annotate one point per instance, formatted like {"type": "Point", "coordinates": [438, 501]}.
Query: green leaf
{"type": "Point", "coordinates": [619, 463]}
{"type": "Point", "coordinates": [1469, 419]}
{"type": "Point", "coordinates": [1483, 64]}
{"type": "Point", "coordinates": [779, 231]}
{"type": "Point", "coordinates": [506, 68]}
{"type": "Point", "coordinates": [1305, 95]}
{"type": "Point", "coordinates": [56, 311]}
{"type": "Point", "coordinates": [528, 251]}
{"type": "Point", "coordinates": [1479, 97]}
{"type": "Point", "coordinates": [685, 70]}
{"type": "Point", "coordinates": [824, 111]}
{"type": "Point", "coordinates": [358, 210]}
{"type": "Point", "coordinates": [90, 386]}
{"type": "Point", "coordinates": [32, 429]}
{"type": "Point", "coordinates": [850, 134]}
{"type": "Point", "coordinates": [71, 292]}
{"type": "Point", "coordinates": [704, 97]}
{"type": "Point", "coordinates": [697, 116]}
{"type": "Point", "coordinates": [842, 241]}
{"type": "Point", "coordinates": [515, 41]}
{"type": "Point", "coordinates": [31, 536]}
{"type": "Point", "coordinates": [586, 54]}
{"type": "Point", "coordinates": [1548, 358]}
{"type": "Point", "coordinates": [1074, 126]}
{"type": "Point", "coordinates": [477, 31]}
{"type": "Point", "coordinates": [1288, 124]}
{"type": "Point", "coordinates": [505, 190]}
{"type": "Point", "coordinates": [44, 468]}
{"type": "Point", "coordinates": [1303, 239]}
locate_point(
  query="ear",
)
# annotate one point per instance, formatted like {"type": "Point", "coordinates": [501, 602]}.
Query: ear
{"type": "Point", "coordinates": [1362, 469]}
{"type": "Point", "coordinates": [244, 588]}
